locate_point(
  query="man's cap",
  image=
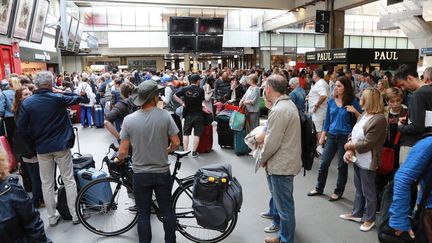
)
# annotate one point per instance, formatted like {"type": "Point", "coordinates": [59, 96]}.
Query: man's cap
{"type": "Point", "coordinates": [194, 77]}
{"type": "Point", "coordinates": [145, 92]}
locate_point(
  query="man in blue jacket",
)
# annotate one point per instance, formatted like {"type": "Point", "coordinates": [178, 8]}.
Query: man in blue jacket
{"type": "Point", "coordinates": [418, 165]}
{"type": "Point", "coordinates": [44, 120]}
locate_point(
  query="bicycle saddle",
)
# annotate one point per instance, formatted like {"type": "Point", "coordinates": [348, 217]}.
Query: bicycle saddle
{"type": "Point", "coordinates": [181, 154]}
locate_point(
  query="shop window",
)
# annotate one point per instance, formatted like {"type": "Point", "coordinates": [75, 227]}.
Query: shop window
{"type": "Point", "coordinates": [390, 42]}
{"type": "Point", "coordinates": [320, 41]}
{"type": "Point", "coordinates": [291, 40]}
{"type": "Point", "coordinates": [367, 42]}
{"type": "Point", "coordinates": [277, 39]}
{"type": "Point", "coordinates": [355, 42]}
{"type": "Point", "coordinates": [304, 40]}
{"type": "Point", "coordinates": [402, 43]}
{"type": "Point", "coordinates": [379, 42]}
{"type": "Point", "coordinates": [264, 39]}
{"type": "Point", "coordinates": [346, 41]}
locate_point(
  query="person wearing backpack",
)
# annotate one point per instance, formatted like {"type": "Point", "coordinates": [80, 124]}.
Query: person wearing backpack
{"type": "Point", "coordinates": [417, 167]}
{"type": "Point", "coordinates": [337, 126]}
{"type": "Point", "coordinates": [171, 105]}
{"type": "Point", "coordinates": [281, 155]}
{"type": "Point", "coordinates": [120, 110]}
{"type": "Point", "coordinates": [84, 89]}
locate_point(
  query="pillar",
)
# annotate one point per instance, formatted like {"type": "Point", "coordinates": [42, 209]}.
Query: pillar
{"type": "Point", "coordinates": [335, 37]}
{"type": "Point", "coordinates": [16, 58]}
{"type": "Point", "coordinates": [195, 64]}
{"type": "Point", "coordinates": [186, 62]}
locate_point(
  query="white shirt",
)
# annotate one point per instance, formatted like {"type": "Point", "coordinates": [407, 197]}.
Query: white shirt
{"type": "Point", "coordinates": [363, 160]}
{"type": "Point", "coordinates": [321, 88]}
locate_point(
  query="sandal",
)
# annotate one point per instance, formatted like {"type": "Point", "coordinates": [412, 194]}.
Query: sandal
{"type": "Point", "coordinates": [314, 193]}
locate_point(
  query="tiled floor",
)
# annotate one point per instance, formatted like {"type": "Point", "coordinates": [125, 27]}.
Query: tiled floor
{"type": "Point", "coordinates": [316, 218]}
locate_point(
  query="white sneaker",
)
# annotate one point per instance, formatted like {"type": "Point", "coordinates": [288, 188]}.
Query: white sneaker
{"type": "Point", "coordinates": [54, 222]}
{"type": "Point", "coordinates": [271, 229]}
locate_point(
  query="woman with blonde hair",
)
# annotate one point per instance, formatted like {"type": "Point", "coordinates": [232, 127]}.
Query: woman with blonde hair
{"type": "Point", "coordinates": [19, 221]}
{"type": "Point", "coordinates": [363, 149]}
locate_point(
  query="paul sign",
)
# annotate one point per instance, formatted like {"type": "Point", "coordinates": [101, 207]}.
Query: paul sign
{"type": "Point", "coordinates": [386, 55]}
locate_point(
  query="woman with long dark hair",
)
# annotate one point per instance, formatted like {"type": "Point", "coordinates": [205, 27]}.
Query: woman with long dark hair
{"type": "Point", "coordinates": [342, 112]}
{"type": "Point", "coordinates": [25, 152]}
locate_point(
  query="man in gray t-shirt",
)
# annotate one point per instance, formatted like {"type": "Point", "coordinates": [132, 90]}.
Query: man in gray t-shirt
{"type": "Point", "coordinates": [147, 131]}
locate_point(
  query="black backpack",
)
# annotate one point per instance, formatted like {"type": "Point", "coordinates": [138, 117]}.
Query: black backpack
{"type": "Point", "coordinates": [308, 141]}
{"type": "Point", "coordinates": [217, 196]}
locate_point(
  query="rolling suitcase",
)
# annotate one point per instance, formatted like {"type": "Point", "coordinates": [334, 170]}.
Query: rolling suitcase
{"type": "Point", "coordinates": [240, 147]}
{"type": "Point", "coordinates": [77, 116]}
{"type": "Point", "coordinates": [225, 134]}
{"type": "Point", "coordinates": [98, 116]}
{"type": "Point", "coordinates": [206, 140]}
{"type": "Point", "coordinates": [97, 195]}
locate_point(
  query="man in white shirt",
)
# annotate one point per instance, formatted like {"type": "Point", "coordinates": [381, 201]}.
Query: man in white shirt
{"type": "Point", "coordinates": [317, 100]}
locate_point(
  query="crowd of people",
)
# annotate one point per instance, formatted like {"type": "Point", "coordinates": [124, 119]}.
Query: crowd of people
{"type": "Point", "coordinates": [355, 114]}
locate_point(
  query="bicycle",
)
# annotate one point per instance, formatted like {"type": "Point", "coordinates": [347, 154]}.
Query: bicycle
{"type": "Point", "coordinates": [114, 214]}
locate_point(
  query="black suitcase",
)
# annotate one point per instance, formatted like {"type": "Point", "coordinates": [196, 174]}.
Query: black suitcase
{"type": "Point", "coordinates": [225, 134]}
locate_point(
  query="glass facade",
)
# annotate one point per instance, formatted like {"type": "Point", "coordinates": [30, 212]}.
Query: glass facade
{"type": "Point", "coordinates": [114, 18]}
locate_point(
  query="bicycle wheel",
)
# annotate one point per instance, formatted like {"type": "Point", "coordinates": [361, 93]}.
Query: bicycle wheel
{"type": "Point", "coordinates": [186, 221]}
{"type": "Point", "coordinates": [103, 206]}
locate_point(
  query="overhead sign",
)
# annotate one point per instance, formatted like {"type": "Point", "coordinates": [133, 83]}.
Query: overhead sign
{"type": "Point", "coordinates": [322, 21]}
{"type": "Point", "coordinates": [362, 56]}
{"type": "Point", "coordinates": [426, 51]}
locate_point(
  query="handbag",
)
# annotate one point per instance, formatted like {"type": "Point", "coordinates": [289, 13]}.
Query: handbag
{"type": "Point", "coordinates": [388, 157]}
{"type": "Point", "coordinates": [237, 120]}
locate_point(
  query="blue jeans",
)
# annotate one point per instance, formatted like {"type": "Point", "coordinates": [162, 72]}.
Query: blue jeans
{"type": "Point", "coordinates": [281, 188]}
{"type": "Point", "coordinates": [334, 144]}
{"type": "Point", "coordinates": [86, 115]}
{"type": "Point", "coordinates": [161, 183]}
{"type": "Point", "coordinates": [273, 212]}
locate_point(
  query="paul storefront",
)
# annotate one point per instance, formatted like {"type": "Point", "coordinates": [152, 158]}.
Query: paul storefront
{"type": "Point", "coordinates": [33, 60]}
{"type": "Point", "coordinates": [362, 59]}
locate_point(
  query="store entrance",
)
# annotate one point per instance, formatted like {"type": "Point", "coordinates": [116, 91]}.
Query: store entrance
{"type": "Point", "coordinates": [5, 62]}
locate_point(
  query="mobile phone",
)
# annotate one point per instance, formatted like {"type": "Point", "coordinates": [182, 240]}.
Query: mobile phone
{"type": "Point", "coordinates": [353, 159]}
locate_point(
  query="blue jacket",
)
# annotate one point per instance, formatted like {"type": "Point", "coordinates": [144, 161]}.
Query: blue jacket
{"type": "Point", "coordinates": [338, 120]}
{"type": "Point", "coordinates": [418, 165]}
{"type": "Point", "coordinates": [298, 96]}
{"type": "Point", "coordinates": [44, 120]}
{"type": "Point", "coordinates": [6, 101]}
{"type": "Point", "coordinates": [19, 221]}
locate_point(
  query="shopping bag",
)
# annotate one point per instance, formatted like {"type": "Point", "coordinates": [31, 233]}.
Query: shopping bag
{"type": "Point", "coordinates": [237, 121]}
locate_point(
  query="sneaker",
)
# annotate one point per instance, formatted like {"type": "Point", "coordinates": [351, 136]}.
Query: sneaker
{"type": "Point", "coordinates": [266, 215]}
{"type": "Point", "coordinates": [75, 221]}
{"type": "Point", "coordinates": [271, 229]}
{"type": "Point", "coordinates": [194, 154]}
{"type": "Point", "coordinates": [55, 221]}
